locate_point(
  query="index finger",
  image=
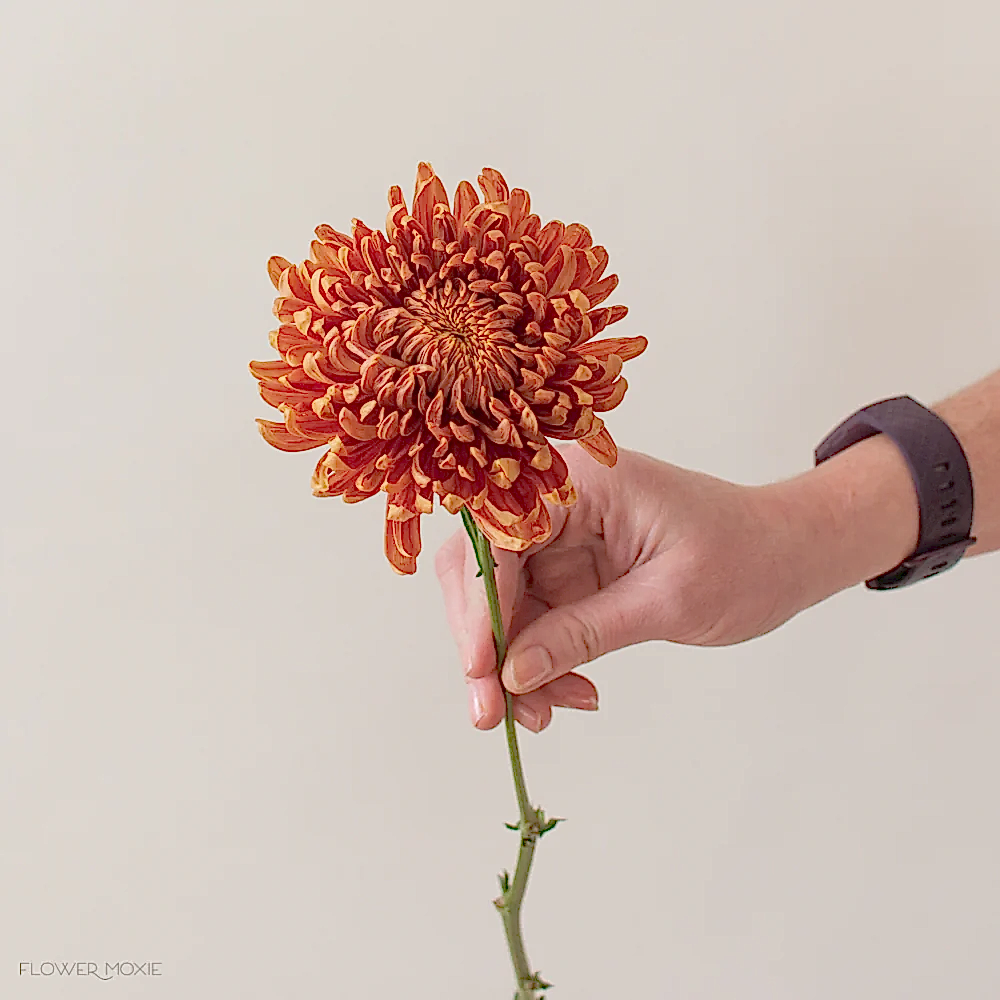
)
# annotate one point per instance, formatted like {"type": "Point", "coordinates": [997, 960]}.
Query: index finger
{"type": "Point", "coordinates": [480, 650]}
{"type": "Point", "coordinates": [449, 564]}
{"type": "Point", "coordinates": [466, 603]}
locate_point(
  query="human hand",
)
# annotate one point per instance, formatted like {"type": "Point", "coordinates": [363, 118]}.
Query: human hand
{"type": "Point", "coordinates": [649, 551]}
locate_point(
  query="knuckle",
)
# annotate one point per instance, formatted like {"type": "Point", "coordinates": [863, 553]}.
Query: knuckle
{"type": "Point", "coordinates": [584, 639]}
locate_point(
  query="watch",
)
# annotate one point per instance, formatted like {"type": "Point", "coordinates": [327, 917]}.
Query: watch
{"type": "Point", "coordinates": [941, 475]}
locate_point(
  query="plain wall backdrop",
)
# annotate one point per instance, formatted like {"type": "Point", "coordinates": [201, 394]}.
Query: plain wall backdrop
{"type": "Point", "coordinates": [235, 743]}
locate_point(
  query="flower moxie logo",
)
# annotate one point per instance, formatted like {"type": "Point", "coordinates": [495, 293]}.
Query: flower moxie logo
{"type": "Point", "coordinates": [99, 970]}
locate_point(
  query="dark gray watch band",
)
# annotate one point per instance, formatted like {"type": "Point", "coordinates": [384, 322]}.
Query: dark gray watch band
{"type": "Point", "coordinates": [941, 476]}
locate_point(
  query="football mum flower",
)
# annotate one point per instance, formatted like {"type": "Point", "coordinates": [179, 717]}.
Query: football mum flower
{"type": "Point", "coordinates": [440, 357]}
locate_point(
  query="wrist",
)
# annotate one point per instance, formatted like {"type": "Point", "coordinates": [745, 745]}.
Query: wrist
{"type": "Point", "coordinates": [851, 518]}
{"type": "Point", "coordinates": [974, 417]}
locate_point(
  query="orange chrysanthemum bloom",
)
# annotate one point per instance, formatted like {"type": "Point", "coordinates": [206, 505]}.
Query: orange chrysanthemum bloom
{"type": "Point", "coordinates": [439, 357]}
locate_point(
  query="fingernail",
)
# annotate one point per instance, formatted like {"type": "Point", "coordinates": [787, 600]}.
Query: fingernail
{"type": "Point", "coordinates": [589, 703]}
{"type": "Point", "coordinates": [476, 706]}
{"type": "Point", "coordinates": [531, 718]}
{"type": "Point", "coordinates": [529, 668]}
{"type": "Point", "coordinates": [468, 666]}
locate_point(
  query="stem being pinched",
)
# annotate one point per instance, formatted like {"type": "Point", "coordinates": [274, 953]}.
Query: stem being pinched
{"type": "Point", "coordinates": [533, 823]}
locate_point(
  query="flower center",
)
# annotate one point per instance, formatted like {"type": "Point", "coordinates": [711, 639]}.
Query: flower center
{"type": "Point", "coordinates": [463, 335]}
{"type": "Point", "coordinates": [447, 315]}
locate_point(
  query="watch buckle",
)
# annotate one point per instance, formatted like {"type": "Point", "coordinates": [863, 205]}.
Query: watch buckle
{"type": "Point", "coordinates": [921, 565]}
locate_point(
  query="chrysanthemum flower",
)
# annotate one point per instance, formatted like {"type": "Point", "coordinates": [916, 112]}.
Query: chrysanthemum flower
{"type": "Point", "coordinates": [438, 358]}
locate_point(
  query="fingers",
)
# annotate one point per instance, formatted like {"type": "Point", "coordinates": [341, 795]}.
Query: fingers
{"type": "Point", "coordinates": [533, 711]}
{"type": "Point", "coordinates": [623, 613]}
{"type": "Point", "coordinates": [468, 615]}
{"type": "Point", "coordinates": [486, 701]}
{"type": "Point", "coordinates": [572, 690]}
{"type": "Point", "coordinates": [466, 604]}
{"type": "Point", "coordinates": [480, 650]}
{"type": "Point", "coordinates": [449, 564]}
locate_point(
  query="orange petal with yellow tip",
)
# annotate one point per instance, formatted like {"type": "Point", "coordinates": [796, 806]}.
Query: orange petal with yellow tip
{"type": "Point", "coordinates": [428, 193]}
{"type": "Point", "coordinates": [625, 347]}
{"type": "Point", "coordinates": [600, 290]}
{"type": "Point", "coordinates": [402, 544]}
{"type": "Point", "coordinates": [601, 447]}
{"type": "Point", "coordinates": [608, 399]}
{"type": "Point", "coordinates": [281, 438]}
{"type": "Point", "coordinates": [466, 200]}
{"type": "Point", "coordinates": [275, 268]}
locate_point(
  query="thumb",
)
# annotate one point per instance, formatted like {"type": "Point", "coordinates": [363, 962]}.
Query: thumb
{"type": "Point", "coordinates": [623, 613]}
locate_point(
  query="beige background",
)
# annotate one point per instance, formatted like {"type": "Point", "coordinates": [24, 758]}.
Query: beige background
{"type": "Point", "coordinates": [235, 743]}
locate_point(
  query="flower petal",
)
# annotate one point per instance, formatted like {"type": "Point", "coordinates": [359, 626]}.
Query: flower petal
{"type": "Point", "coordinates": [429, 192]}
{"type": "Point", "coordinates": [402, 543]}
{"type": "Point", "coordinates": [625, 347]}
{"type": "Point", "coordinates": [601, 447]}
{"type": "Point", "coordinates": [276, 266]}
{"type": "Point", "coordinates": [493, 186]}
{"type": "Point", "coordinates": [600, 290]}
{"type": "Point", "coordinates": [280, 437]}
{"type": "Point", "coordinates": [465, 200]}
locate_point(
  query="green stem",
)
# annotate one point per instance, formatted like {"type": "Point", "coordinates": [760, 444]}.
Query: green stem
{"type": "Point", "coordinates": [530, 826]}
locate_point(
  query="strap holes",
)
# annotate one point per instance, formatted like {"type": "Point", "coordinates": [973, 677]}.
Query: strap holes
{"type": "Point", "coordinates": [949, 504]}
{"type": "Point", "coordinates": [947, 486]}
{"type": "Point", "coordinates": [934, 569]}
{"type": "Point", "coordinates": [943, 467]}
{"type": "Point", "coordinates": [947, 521]}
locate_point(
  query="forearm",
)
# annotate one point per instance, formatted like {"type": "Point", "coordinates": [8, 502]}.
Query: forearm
{"type": "Point", "coordinates": [974, 417]}
{"type": "Point", "coordinates": [856, 515]}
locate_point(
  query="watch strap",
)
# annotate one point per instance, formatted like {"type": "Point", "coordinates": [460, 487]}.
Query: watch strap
{"type": "Point", "coordinates": [941, 475]}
